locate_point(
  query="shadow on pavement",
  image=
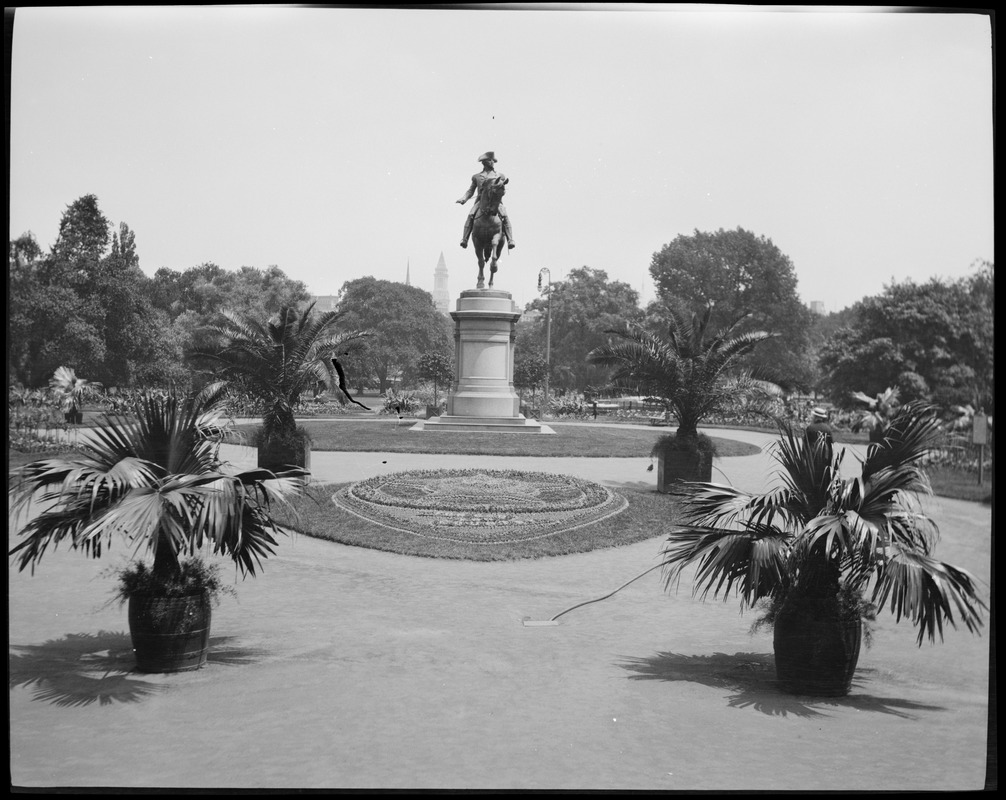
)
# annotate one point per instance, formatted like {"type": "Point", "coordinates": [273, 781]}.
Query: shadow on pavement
{"type": "Point", "coordinates": [83, 668]}
{"type": "Point", "coordinates": [751, 679]}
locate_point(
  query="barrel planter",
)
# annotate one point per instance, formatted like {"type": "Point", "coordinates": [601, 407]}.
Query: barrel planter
{"type": "Point", "coordinates": [170, 634]}
{"type": "Point", "coordinates": [816, 650]}
{"type": "Point", "coordinates": [283, 455]}
{"type": "Point", "coordinates": [683, 465]}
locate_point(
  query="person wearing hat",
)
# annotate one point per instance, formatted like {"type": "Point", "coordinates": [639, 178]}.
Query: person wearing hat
{"type": "Point", "coordinates": [819, 430]}
{"type": "Point", "coordinates": [478, 179]}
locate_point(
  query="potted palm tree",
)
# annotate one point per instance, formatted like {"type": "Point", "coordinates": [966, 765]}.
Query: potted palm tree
{"type": "Point", "coordinates": [277, 360]}
{"type": "Point", "coordinates": [70, 392]}
{"type": "Point", "coordinates": [690, 375]}
{"type": "Point", "coordinates": [821, 553]}
{"type": "Point", "coordinates": [155, 479]}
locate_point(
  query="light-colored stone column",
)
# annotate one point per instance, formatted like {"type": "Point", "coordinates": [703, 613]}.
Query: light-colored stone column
{"type": "Point", "coordinates": [485, 320]}
{"type": "Point", "coordinates": [482, 396]}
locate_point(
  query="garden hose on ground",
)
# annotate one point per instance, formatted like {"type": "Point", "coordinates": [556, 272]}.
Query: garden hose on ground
{"type": "Point", "coordinates": [552, 621]}
{"type": "Point", "coordinates": [530, 623]}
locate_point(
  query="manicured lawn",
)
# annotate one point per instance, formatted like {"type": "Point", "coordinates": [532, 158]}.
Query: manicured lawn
{"type": "Point", "coordinates": [392, 436]}
{"type": "Point", "coordinates": [961, 485]}
{"type": "Point", "coordinates": [649, 514]}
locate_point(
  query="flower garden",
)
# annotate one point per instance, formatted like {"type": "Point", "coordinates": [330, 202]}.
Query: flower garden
{"type": "Point", "coordinates": [480, 506]}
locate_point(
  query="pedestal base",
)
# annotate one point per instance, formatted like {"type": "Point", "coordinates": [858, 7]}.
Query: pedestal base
{"type": "Point", "coordinates": [482, 398]}
{"type": "Point", "coordinates": [459, 424]}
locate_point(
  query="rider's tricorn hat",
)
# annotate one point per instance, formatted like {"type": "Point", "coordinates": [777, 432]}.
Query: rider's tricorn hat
{"type": "Point", "coordinates": [488, 156]}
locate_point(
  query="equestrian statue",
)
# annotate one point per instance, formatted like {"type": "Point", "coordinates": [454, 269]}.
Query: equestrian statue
{"type": "Point", "coordinates": [487, 223]}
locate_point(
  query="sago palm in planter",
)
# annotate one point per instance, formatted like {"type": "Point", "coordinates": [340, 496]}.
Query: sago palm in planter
{"type": "Point", "coordinates": [820, 552]}
{"type": "Point", "coordinates": [692, 376]}
{"type": "Point", "coordinates": [277, 360]}
{"type": "Point", "coordinates": [157, 481]}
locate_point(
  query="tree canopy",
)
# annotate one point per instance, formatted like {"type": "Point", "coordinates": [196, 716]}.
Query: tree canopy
{"type": "Point", "coordinates": [87, 304]}
{"type": "Point", "coordinates": [584, 306]}
{"type": "Point", "coordinates": [194, 299]}
{"type": "Point", "coordinates": [737, 272]}
{"type": "Point", "coordinates": [403, 324]}
{"type": "Point", "coordinates": [932, 341]}
{"type": "Point", "coordinates": [438, 368]}
{"type": "Point", "coordinates": [83, 305]}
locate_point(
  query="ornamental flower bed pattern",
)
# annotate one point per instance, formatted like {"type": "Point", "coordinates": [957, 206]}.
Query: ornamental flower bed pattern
{"type": "Point", "coordinates": [476, 506]}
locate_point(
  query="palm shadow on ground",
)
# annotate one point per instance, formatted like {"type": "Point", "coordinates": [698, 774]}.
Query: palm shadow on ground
{"type": "Point", "coordinates": [750, 677]}
{"type": "Point", "coordinates": [83, 668]}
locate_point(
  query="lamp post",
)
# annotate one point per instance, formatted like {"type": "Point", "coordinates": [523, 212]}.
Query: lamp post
{"type": "Point", "coordinates": [548, 335]}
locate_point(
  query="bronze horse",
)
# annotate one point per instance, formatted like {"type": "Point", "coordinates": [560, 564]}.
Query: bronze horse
{"type": "Point", "coordinates": [487, 230]}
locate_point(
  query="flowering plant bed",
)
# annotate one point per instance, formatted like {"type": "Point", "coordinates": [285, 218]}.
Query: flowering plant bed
{"type": "Point", "coordinates": [477, 506]}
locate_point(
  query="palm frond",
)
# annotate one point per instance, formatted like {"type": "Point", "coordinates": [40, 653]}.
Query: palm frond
{"type": "Point", "coordinates": [752, 560]}
{"type": "Point", "coordinates": [156, 480]}
{"type": "Point", "coordinates": [718, 506]}
{"type": "Point", "coordinates": [911, 434]}
{"type": "Point", "coordinates": [822, 535]}
{"type": "Point", "coordinates": [928, 592]}
{"type": "Point", "coordinates": [808, 472]}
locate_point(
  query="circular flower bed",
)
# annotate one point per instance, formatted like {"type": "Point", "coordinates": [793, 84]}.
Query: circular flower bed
{"type": "Point", "coordinates": [480, 506]}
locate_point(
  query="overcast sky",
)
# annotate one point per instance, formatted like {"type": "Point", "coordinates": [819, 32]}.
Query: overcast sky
{"type": "Point", "coordinates": [334, 142]}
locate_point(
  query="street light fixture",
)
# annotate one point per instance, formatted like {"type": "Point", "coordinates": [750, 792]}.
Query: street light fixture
{"type": "Point", "coordinates": [548, 336]}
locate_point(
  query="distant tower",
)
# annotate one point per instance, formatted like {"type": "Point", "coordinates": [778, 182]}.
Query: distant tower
{"type": "Point", "coordinates": [817, 307]}
{"type": "Point", "coordinates": [407, 281]}
{"type": "Point", "coordinates": [441, 297]}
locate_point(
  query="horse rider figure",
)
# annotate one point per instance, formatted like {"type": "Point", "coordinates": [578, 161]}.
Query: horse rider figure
{"type": "Point", "coordinates": [488, 172]}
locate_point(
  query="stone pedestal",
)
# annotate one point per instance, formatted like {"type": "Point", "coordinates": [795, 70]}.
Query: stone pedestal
{"type": "Point", "coordinates": [482, 397]}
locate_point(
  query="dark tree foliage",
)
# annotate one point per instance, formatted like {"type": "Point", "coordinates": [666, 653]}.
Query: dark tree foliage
{"type": "Point", "coordinates": [529, 369]}
{"type": "Point", "coordinates": [737, 272]}
{"type": "Point", "coordinates": [403, 323]}
{"type": "Point", "coordinates": [194, 300]}
{"type": "Point", "coordinates": [437, 367]}
{"type": "Point", "coordinates": [83, 233]}
{"type": "Point", "coordinates": [83, 305]}
{"type": "Point", "coordinates": [585, 306]}
{"type": "Point", "coordinates": [208, 289]}
{"type": "Point", "coordinates": [933, 341]}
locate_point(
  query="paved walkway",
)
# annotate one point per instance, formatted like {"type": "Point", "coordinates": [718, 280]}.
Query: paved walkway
{"type": "Point", "coordinates": [341, 667]}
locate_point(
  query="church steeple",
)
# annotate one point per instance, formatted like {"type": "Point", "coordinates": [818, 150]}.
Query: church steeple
{"type": "Point", "coordinates": [407, 281]}
{"type": "Point", "coordinates": [441, 297]}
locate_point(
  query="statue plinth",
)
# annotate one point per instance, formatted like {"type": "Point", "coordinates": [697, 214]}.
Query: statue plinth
{"type": "Point", "coordinates": [482, 397]}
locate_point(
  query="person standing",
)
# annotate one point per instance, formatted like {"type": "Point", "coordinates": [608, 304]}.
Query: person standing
{"type": "Point", "coordinates": [820, 430]}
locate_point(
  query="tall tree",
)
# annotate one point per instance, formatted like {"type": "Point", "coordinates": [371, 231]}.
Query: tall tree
{"type": "Point", "coordinates": [83, 233]}
{"type": "Point", "coordinates": [136, 352]}
{"type": "Point", "coordinates": [37, 315]}
{"type": "Point", "coordinates": [739, 273]}
{"type": "Point", "coordinates": [584, 307]}
{"type": "Point", "coordinates": [82, 305]}
{"type": "Point", "coordinates": [403, 323]}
